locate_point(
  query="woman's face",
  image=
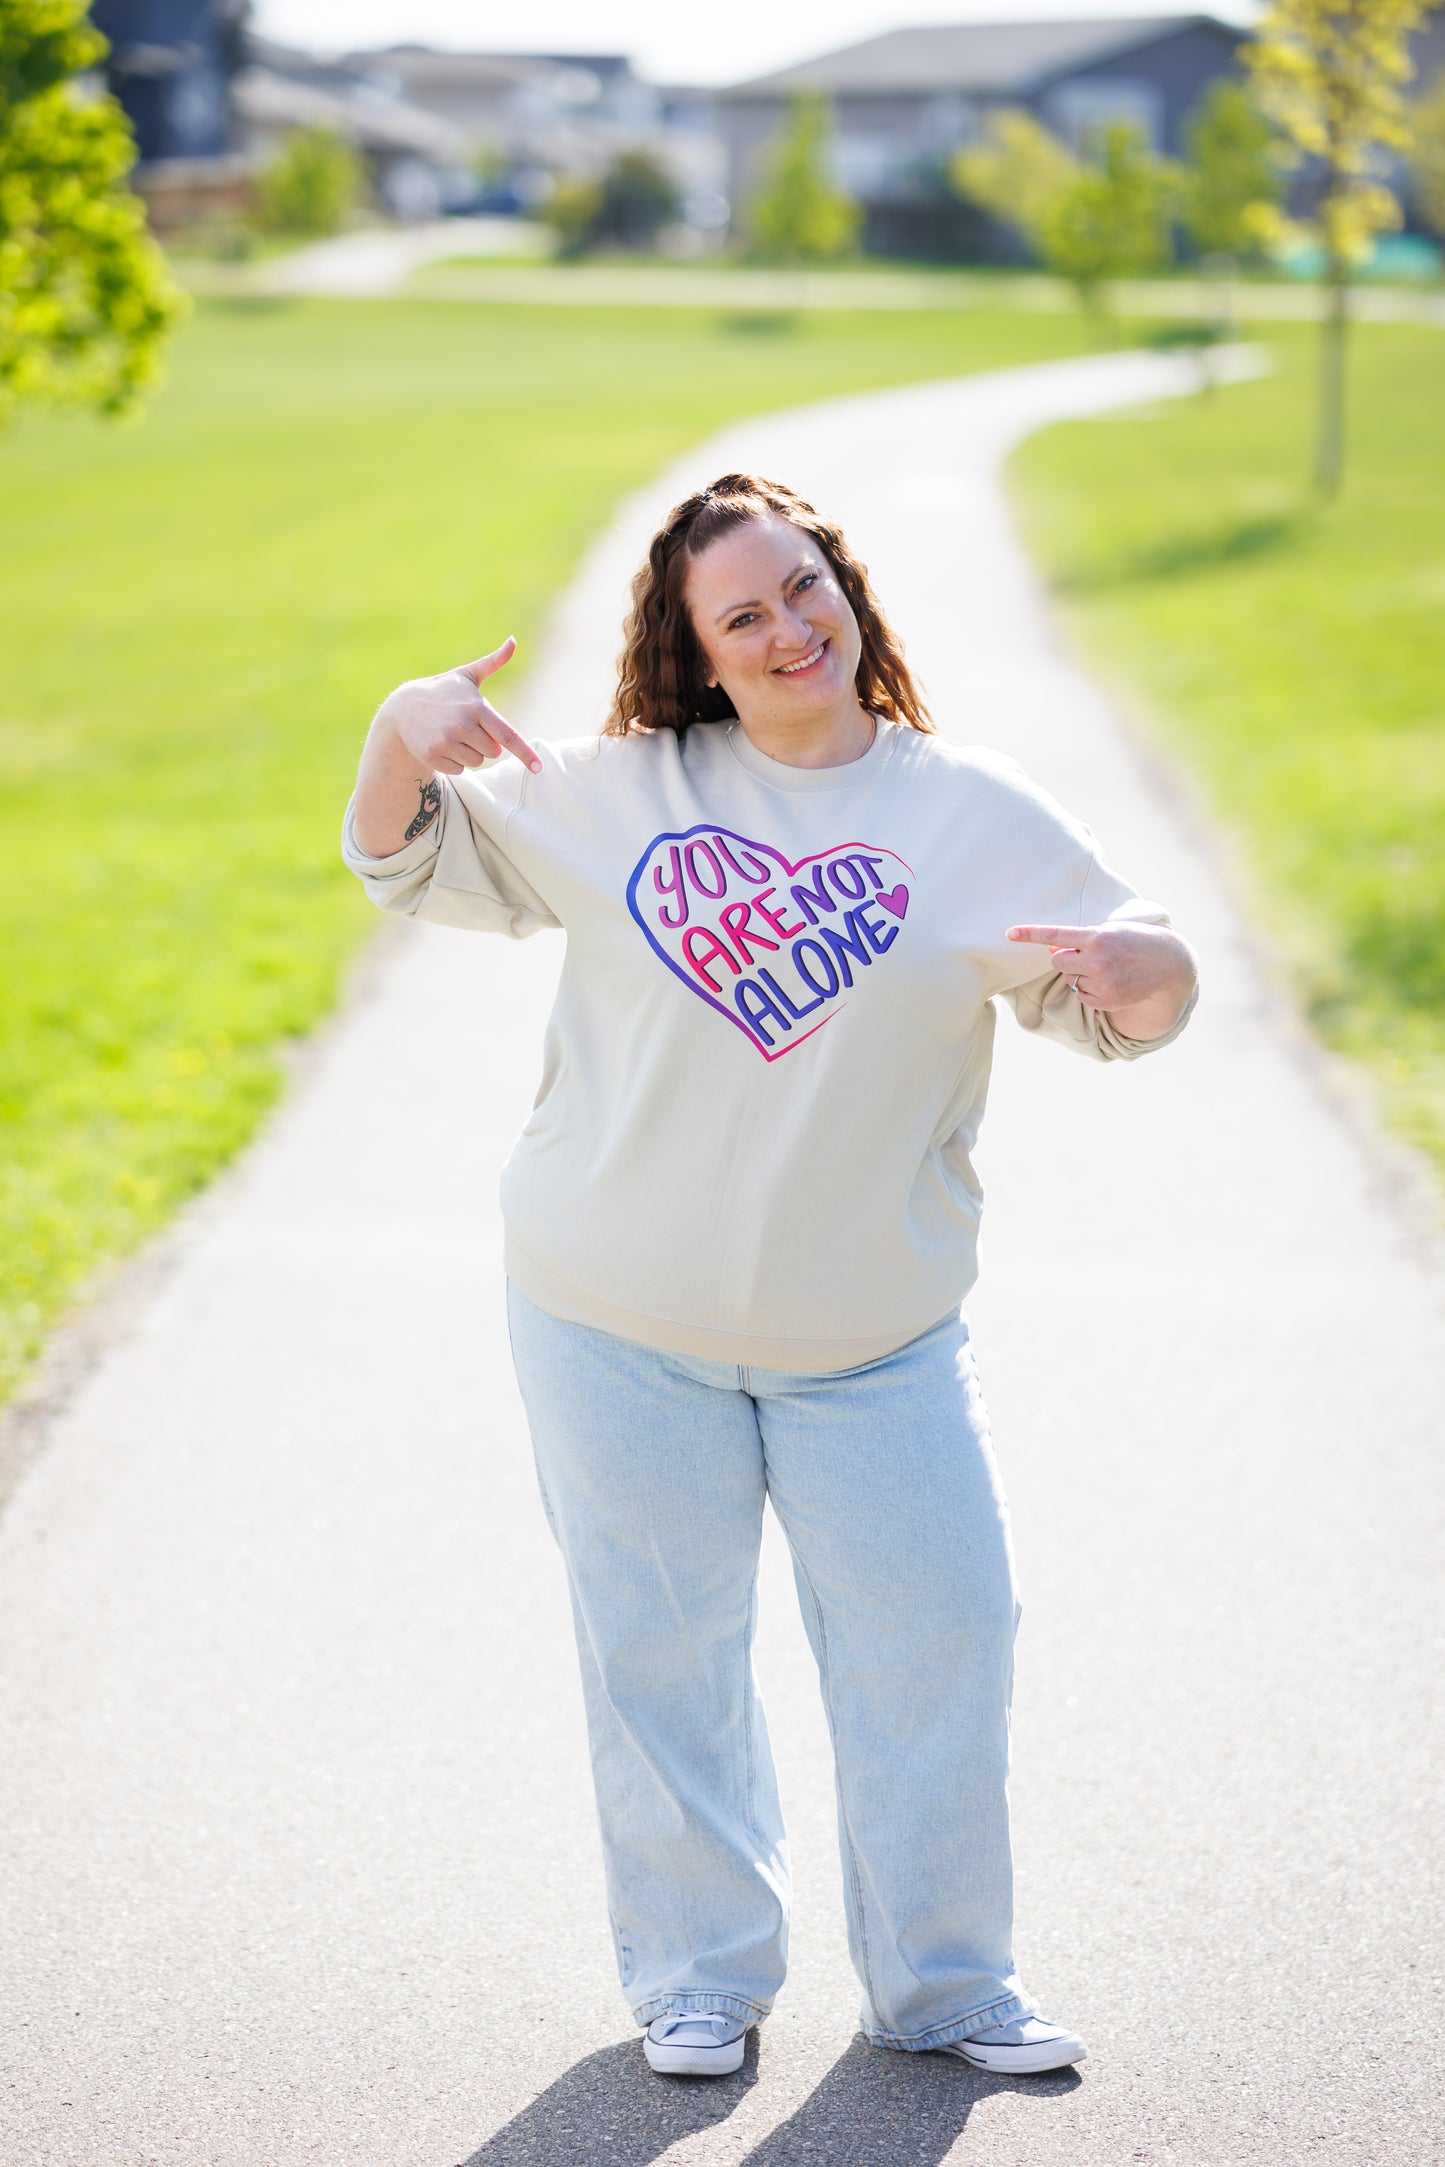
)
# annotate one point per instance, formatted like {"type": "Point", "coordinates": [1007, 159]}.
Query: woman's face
{"type": "Point", "coordinates": [775, 627]}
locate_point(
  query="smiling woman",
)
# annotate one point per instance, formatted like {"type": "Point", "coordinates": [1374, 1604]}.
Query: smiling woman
{"type": "Point", "coordinates": [697, 628]}
{"type": "Point", "coordinates": [737, 1256]}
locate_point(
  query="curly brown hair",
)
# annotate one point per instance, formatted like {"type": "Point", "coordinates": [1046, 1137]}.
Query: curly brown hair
{"type": "Point", "coordinates": [661, 673]}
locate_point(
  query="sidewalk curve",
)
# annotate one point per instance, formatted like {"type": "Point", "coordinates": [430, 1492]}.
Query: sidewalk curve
{"type": "Point", "coordinates": [380, 259]}
{"type": "Point", "coordinates": [302, 1865]}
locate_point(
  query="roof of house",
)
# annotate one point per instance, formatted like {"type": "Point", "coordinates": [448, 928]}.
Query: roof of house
{"type": "Point", "coordinates": [437, 67]}
{"type": "Point", "coordinates": [969, 56]}
{"type": "Point", "coordinates": [377, 124]}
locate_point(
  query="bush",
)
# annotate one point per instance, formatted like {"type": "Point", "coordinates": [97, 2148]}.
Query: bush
{"type": "Point", "coordinates": [573, 209]}
{"type": "Point", "coordinates": [310, 185]}
{"type": "Point", "coordinates": [627, 208]}
{"type": "Point", "coordinates": [639, 198]}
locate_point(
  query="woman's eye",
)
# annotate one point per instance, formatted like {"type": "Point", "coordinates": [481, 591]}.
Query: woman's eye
{"type": "Point", "coordinates": [809, 579]}
{"type": "Point", "coordinates": [745, 619]}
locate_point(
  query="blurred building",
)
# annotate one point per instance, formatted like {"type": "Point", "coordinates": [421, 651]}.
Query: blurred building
{"type": "Point", "coordinates": [532, 117]}
{"type": "Point", "coordinates": [904, 102]}
{"type": "Point", "coordinates": [464, 131]}
{"type": "Point", "coordinates": [419, 161]}
{"type": "Point", "coordinates": [171, 64]}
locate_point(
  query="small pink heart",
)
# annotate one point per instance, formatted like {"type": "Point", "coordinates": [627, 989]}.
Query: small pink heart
{"type": "Point", "coordinates": [894, 899]}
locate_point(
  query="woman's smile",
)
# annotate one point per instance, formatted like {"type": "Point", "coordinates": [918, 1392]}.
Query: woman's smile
{"type": "Point", "coordinates": [808, 662]}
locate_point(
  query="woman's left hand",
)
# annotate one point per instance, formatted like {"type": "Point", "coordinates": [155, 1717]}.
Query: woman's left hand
{"type": "Point", "coordinates": [1139, 975]}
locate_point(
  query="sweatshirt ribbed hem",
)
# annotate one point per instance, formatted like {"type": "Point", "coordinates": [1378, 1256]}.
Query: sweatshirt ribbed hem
{"type": "Point", "coordinates": [803, 1357]}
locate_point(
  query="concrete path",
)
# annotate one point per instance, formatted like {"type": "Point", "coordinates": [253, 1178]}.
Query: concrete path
{"type": "Point", "coordinates": [413, 261]}
{"type": "Point", "coordinates": [382, 259]}
{"type": "Point", "coordinates": [301, 1864]}
{"type": "Point", "coordinates": [602, 285]}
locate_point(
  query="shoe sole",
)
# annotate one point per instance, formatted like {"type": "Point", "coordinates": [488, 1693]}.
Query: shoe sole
{"type": "Point", "coordinates": [1019, 2061]}
{"type": "Point", "coordinates": [695, 2061]}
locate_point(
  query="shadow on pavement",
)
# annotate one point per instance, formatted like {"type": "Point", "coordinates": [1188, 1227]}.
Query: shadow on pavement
{"type": "Point", "coordinates": [611, 2107]}
{"type": "Point", "coordinates": [875, 2109]}
{"type": "Point", "coordinates": [872, 2109]}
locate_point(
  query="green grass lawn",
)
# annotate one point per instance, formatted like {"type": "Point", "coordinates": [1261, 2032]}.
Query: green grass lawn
{"type": "Point", "coordinates": [1292, 657]}
{"type": "Point", "coordinates": [198, 614]}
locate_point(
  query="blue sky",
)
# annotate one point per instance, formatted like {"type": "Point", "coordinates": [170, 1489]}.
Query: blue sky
{"type": "Point", "coordinates": [669, 40]}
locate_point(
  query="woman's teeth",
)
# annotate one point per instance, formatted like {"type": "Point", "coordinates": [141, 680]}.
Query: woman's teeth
{"type": "Point", "coordinates": [790, 669]}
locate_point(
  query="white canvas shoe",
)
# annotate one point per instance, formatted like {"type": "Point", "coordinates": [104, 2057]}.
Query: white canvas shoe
{"type": "Point", "coordinates": [695, 2043]}
{"type": "Point", "coordinates": [1025, 2047]}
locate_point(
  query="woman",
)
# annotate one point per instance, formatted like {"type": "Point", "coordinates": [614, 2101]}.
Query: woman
{"type": "Point", "coordinates": [741, 1221]}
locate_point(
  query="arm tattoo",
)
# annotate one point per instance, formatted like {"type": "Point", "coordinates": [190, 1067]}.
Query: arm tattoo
{"type": "Point", "coordinates": [426, 812]}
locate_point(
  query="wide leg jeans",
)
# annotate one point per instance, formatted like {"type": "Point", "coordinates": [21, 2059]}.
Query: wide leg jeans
{"type": "Point", "coordinates": [654, 1470]}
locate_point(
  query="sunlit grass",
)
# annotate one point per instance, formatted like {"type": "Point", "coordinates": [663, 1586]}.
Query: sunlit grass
{"type": "Point", "coordinates": [1293, 656]}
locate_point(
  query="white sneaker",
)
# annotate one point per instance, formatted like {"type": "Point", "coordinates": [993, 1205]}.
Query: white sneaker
{"type": "Point", "coordinates": [695, 2043]}
{"type": "Point", "coordinates": [1026, 2047]}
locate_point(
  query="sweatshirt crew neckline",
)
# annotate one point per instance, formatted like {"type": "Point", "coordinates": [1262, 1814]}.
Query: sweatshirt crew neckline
{"type": "Point", "coordinates": [781, 776]}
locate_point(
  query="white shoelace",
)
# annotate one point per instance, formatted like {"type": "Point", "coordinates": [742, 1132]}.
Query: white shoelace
{"type": "Point", "coordinates": [714, 2019]}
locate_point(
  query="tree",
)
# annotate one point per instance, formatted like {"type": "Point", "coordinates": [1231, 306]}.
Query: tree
{"type": "Point", "coordinates": [1426, 154]}
{"type": "Point", "coordinates": [312, 182]}
{"type": "Point", "coordinates": [1017, 171]}
{"type": "Point", "coordinates": [799, 216]}
{"type": "Point", "coordinates": [1087, 220]}
{"type": "Point", "coordinates": [1329, 73]}
{"type": "Point", "coordinates": [86, 301]}
{"type": "Point", "coordinates": [1112, 221]}
{"type": "Point", "coordinates": [1231, 181]}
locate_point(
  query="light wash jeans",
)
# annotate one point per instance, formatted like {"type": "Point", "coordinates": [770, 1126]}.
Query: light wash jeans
{"type": "Point", "coordinates": [654, 1468]}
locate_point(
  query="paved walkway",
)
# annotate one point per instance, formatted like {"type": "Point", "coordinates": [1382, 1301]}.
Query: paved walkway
{"type": "Point", "coordinates": [413, 260]}
{"type": "Point", "coordinates": [381, 259]}
{"type": "Point", "coordinates": [301, 1863]}
{"type": "Point", "coordinates": [603, 285]}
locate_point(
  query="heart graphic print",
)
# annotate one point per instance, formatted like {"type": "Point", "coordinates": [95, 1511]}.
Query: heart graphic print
{"type": "Point", "coordinates": [774, 946]}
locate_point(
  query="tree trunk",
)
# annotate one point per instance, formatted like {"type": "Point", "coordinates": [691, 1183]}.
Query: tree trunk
{"type": "Point", "coordinates": [1330, 444]}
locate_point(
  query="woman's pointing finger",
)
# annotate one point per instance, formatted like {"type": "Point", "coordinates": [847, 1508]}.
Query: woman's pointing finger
{"type": "Point", "coordinates": [1051, 936]}
{"type": "Point", "coordinates": [486, 665]}
{"type": "Point", "coordinates": [509, 740]}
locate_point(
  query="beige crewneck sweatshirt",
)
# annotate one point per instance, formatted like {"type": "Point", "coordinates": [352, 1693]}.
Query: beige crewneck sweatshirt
{"type": "Point", "coordinates": [766, 1067]}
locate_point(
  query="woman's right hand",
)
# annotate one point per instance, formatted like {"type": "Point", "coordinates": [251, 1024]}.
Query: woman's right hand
{"type": "Point", "coordinates": [431, 725]}
{"type": "Point", "coordinates": [446, 725]}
